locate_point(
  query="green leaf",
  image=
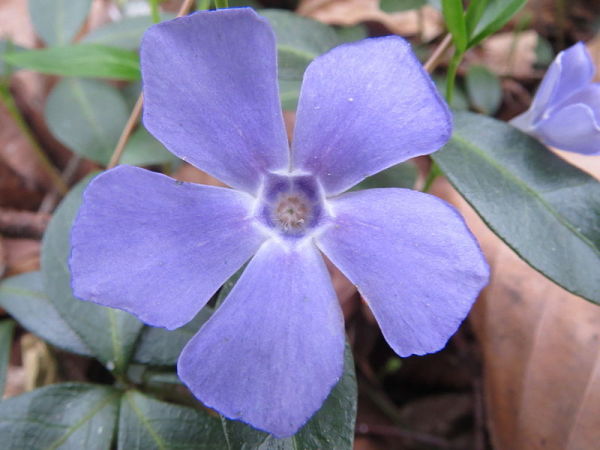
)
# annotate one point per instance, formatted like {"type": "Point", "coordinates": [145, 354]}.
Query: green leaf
{"type": "Point", "coordinates": [160, 347]}
{"type": "Point", "coordinates": [228, 286]}
{"type": "Point", "coordinates": [495, 16]}
{"type": "Point", "coordinates": [401, 175]}
{"type": "Point", "coordinates": [69, 416]}
{"type": "Point", "coordinates": [483, 87]}
{"type": "Point", "coordinates": [454, 17]}
{"type": "Point", "coordinates": [473, 15]}
{"type": "Point", "coordinates": [143, 149]}
{"type": "Point", "coordinates": [24, 298]}
{"type": "Point", "coordinates": [81, 60]}
{"type": "Point", "coordinates": [299, 41]}
{"type": "Point", "coordinates": [109, 333]}
{"type": "Point", "coordinates": [58, 21]}
{"type": "Point", "coordinates": [6, 46]}
{"type": "Point", "coordinates": [126, 33]}
{"type": "Point", "coordinates": [544, 54]}
{"type": "Point", "coordinates": [7, 328]}
{"type": "Point", "coordinates": [332, 427]}
{"type": "Point", "coordinates": [87, 116]}
{"type": "Point", "coordinates": [546, 210]}
{"type": "Point", "coordinates": [391, 6]}
{"type": "Point", "coordinates": [147, 423]}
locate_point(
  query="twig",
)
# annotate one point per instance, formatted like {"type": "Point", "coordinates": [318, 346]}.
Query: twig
{"type": "Point", "coordinates": [137, 109]}
{"type": "Point", "coordinates": [51, 199]}
{"type": "Point", "coordinates": [438, 53]}
{"type": "Point", "coordinates": [129, 126]}
{"type": "Point", "coordinates": [23, 224]}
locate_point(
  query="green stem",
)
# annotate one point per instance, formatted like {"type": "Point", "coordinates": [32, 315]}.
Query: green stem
{"type": "Point", "coordinates": [221, 4]}
{"type": "Point", "coordinates": [434, 172]}
{"type": "Point", "coordinates": [203, 5]}
{"type": "Point", "coordinates": [155, 11]}
{"type": "Point", "coordinates": [8, 101]}
{"type": "Point", "coordinates": [451, 77]}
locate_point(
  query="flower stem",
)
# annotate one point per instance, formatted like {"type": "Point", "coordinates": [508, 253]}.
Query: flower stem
{"type": "Point", "coordinates": [451, 76]}
{"type": "Point", "coordinates": [434, 172]}
{"type": "Point", "coordinates": [155, 11]}
{"type": "Point", "coordinates": [431, 64]}
{"type": "Point", "coordinates": [137, 109]}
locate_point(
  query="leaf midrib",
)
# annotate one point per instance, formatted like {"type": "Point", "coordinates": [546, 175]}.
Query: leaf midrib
{"type": "Point", "coordinates": [57, 443]}
{"type": "Point", "coordinates": [145, 423]}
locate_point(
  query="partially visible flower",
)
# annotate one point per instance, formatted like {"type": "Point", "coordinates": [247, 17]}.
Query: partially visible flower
{"type": "Point", "coordinates": [565, 112]}
{"type": "Point", "coordinates": [160, 249]}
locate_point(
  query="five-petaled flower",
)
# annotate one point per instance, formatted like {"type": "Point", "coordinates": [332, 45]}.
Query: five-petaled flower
{"type": "Point", "coordinates": [160, 249]}
{"type": "Point", "coordinates": [565, 112]}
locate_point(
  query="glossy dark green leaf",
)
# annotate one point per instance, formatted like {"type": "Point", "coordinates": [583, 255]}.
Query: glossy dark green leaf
{"type": "Point", "coordinates": [495, 16]}
{"type": "Point", "coordinates": [70, 416]}
{"type": "Point", "coordinates": [484, 89]}
{"type": "Point", "coordinates": [109, 333]}
{"type": "Point", "coordinates": [454, 17]}
{"type": "Point", "coordinates": [24, 298]}
{"type": "Point", "coordinates": [161, 347]}
{"type": "Point", "coordinates": [126, 33]}
{"type": "Point", "coordinates": [7, 327]}
{"type": "Point", "coordinates": [143, 149]}
{"type": "Point", "coordinates": [146, 423]}
{"type": "Point", "coordinates": [391, 6]}
{"type": "Point", "coordinates": [58, 21]}
{"type": "Point", "coordinates": [87, 116]}
{"type": "Point", "coordinates": [545, 209]}
{"type": "Point", "coordinates": [401, 175]}
{"type": "Point", "coordinates": [332, 427]}
{"type": "Point", "coordinates": [80, 60]}
{"type": "Point", "coordinates": [299, 41]}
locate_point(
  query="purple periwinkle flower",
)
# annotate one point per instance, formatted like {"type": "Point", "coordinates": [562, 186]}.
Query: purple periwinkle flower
{"type": "Point", "coordinates": [160, 248]}
{"type": "Point", "coordinates": [565, 112]}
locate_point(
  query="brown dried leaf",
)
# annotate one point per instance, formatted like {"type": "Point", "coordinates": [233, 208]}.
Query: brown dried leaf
{"type": "Point", "coordinates": [2, 260]}
{"type": "Point", "coordinates": [18, 153]}
{"type": "Point", "coordinates": [509, 54]}
{"type": "Point", "coordinates": [351, 12]}
{"type": "Point", "coordinates": [541, 351]}
{"type": "Point", "coordinates": [22, 255]}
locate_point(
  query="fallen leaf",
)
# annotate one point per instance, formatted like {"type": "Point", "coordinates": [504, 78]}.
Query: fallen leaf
{"type": "Point", "coordinates": [541, 352]}
{"type": "Point", "coordinates": [22, 255]}
{"type": "Point", "coordinates": [508, 53]}
{"type": "Point", "coordinates": [18, 153]}
{"type": "Point", "coordinates": [426, 22]}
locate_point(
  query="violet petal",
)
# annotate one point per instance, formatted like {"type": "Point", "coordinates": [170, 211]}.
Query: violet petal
{"type": "Point", "coordinates": [412, 258]}
{"type": "Point", "coordinates": [211, 94]}
{"type": "Point", "coordinates": [363, 107]}
{"type": "Point", "coordinates": [574, 128]}
{"type": "Point", "coordinates": [157, 247]}
{"type": "Point", "coordinates": [272, 352]}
